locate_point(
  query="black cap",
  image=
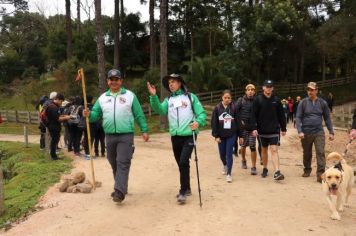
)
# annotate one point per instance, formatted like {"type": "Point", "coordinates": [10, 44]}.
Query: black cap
{"type": "Point", "coordinates": [173, 76]}
{"type": "Point", "coordinates": [268, 82]}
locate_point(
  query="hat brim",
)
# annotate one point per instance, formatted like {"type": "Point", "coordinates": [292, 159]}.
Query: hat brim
{"type": "Point", "coordinates": [166, 78]}
{"type": "Point", "coordinates": [310, 87]}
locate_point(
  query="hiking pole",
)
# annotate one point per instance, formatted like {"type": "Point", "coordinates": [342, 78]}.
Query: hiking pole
{"type": "Point", "coordinates": [347, 147]}
{"type": "Point", "coordinates": [81, 76]}
{"type": "Point", "coordinates": [196, 165]}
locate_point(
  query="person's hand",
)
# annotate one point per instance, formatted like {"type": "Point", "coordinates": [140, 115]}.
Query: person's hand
{"type": "Point", "coordinates": [241, 141]}
{"type": "Point", "coordinates": [145, 137]}
{"type": "Point", "coordinates": [194, 125]}
{"type": "Point", "coordinates": [331, 137]}
{"type": "Point", "coordinates": [218, 140]}
{"type": "Point", "coordinates": [353, 134]}
{"type": "Point", "coordinates": [86, 112]}
{"type": "Point", "coordinates": [151, 89]}
{"type": "Point", "coordinates": [254, 133]}
{"type": "Point", "coordinates": [301, 135]}
{"type": "Point", "coordinates": [284, 133]}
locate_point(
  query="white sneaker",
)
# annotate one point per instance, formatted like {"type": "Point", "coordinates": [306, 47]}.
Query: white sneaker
{"type": "Point", "coordinates": [228, 178]}
{"type": "Point", "coordinates": [224, 170]}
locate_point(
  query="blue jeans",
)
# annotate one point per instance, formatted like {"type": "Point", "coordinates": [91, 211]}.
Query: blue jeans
{"type": "Point", "coordinates": [225, 150]}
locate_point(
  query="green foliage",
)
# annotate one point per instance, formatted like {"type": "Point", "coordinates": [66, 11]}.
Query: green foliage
{"type": "Point", "coordinates": [139, 86]}
{"type": "Point", "coordinates": [29, 175]}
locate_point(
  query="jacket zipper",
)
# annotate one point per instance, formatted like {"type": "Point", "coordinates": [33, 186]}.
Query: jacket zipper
{"type": "Point", "coordinates": [177, 121]}
{"type": "Point", "coordinates": [114, 113]}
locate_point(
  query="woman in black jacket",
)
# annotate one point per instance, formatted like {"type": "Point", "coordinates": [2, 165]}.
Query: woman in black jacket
{"type": "Point", "coordinates": [224, 127]}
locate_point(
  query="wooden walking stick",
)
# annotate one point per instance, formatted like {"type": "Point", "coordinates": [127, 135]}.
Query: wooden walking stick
{"type": "Point", "coordinates": [82, 78]}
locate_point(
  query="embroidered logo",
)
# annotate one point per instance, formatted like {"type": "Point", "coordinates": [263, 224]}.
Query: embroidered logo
{"type": "Point", "coordinates": [108, 101]}
{"type": "Point", "coordinates": [184, 104]}
{"type": "Point", "coordinates": [122, 100]}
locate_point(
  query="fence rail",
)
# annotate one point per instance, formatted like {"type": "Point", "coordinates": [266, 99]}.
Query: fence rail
{"type": "Point", "coordinates": [205, 98]}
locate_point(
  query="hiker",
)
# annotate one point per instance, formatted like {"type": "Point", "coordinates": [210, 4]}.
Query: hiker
{"type": "Point", "coordinates": [42, 127]}
{"type": "Point", "coordinates": [290, 104]}
{"type": "Point", "coordinates": [330, 101]}
{"type": "Point", "coordinates": [285, 109]}
{"type": "Point", "coordinates": [119, 107]}
{"type": "Point", "coordinates": [295, 106]}
{"type": "Point", "coordinates": [353, 128]}
{"type": "Point", "coordinates": [269, 121]}
{"type": "Point", "coordinates": [75, 130]}
{"type": "Point", "coordinates": [225, 127]}
{"type": "Point", "coordinates": [310, 113]}
{"type": "Point", "coordinates": [185, 116]}
{"type": "Point", "coordinates": [244, 109]}
{"type": "Point", "coordinates": [54, 123]}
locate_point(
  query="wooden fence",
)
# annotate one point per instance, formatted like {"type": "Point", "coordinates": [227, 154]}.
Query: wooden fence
{"type": "Point", "coordinates": [342, 116]}
{"type": "Point", "coordinates": [206, 98]}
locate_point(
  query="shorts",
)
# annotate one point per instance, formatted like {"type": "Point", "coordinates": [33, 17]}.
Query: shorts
{"type": "Point", "coordinates": [249, 139]}
{"type": "Point", "coordinates": [269, 140]}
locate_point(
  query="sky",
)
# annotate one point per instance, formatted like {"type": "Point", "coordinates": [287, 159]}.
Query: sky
{"type": "Point", "coordinates": [52, 7]}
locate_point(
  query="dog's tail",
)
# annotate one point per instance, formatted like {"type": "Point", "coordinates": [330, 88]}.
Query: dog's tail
{"type": "Point", "coordinates": [335, 156]}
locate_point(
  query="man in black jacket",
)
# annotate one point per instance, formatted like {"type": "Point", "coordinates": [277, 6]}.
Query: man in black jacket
{"type": "Point", "coordinates": [54, 123]}
{"type": "Point", "coordinates": [269, 120]}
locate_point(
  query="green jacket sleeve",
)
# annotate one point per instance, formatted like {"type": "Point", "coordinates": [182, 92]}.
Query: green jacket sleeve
{"type": "Point", "coordinates": [200, 114]}
{"type": "Point", "coordinates": [160, 108]}
{"type": "Point", "coordinates": [96, 112]}
{"type": "Point", "coordinates": [138, 115]}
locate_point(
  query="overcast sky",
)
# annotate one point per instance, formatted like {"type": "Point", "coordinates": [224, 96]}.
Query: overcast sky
{"type": "Point", "coordinates": [52, 7]}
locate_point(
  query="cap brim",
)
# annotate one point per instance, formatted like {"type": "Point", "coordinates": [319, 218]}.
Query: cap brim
{"type": "Point", "coordinates": [313, 88]}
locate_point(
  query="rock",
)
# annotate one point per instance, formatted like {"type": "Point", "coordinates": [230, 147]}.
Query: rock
{"type": "Point", "coordinates": [63, 186]}
{"type": "Point", "coordinates": [84, 187]}
{"type": "Point", "coordinates": [72, 189]}
{"type": "Point", "coordinates": [78, 177]}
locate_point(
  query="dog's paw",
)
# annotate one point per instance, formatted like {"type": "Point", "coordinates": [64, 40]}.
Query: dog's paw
{"type": "Point", "coordinates": [335, 216]}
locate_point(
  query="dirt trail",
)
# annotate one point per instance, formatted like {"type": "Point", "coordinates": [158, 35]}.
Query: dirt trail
{"type": "Point", "coordinates": [249, 205]}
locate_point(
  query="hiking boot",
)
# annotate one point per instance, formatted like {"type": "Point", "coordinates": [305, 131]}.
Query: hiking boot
{"type": "Point", "coordinates": [306, 174]}
{"type": "Point", "coordinates": [118, 196]}
{"type": "Point", "coordinates": [181, 198]}
{"type": "Point", "coordinates": [188, 192]}
{"type": "Point", "coordinates": [243, 165]}
{"type": "Point", "coordinates": [224, 170]}
{"type": "Point", "coordinates": [253, 171]}
{"type": "Point", "coordinates": [278, 175]}
{"type": "Point", "coordinates": [228, 178]}
{"type": "Point", "coordinates": [264, 173]}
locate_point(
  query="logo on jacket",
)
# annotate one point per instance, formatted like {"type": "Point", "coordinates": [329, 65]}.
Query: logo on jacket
{"type": "Point", "coordinates": [108, 101]}
{"type": "Point", "coordinates": [184, 104]}
{"type": "Point", "coordinates": [122, 100]}
{"type": "Point", "coordinates": [225, 117]}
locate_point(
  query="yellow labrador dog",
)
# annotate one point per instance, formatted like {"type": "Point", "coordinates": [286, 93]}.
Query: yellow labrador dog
{"type": "Point", "coordinates": [337, 181]}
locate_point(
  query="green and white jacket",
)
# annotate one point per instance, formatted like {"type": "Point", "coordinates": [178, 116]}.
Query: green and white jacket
{"type": "Point", "coordinates": [180, 112]}
{"type": "Point", "coordinates": [119, 111]}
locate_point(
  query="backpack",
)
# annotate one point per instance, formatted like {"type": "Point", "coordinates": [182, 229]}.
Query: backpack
{"type": "Point", "coordinates": [75, 118]}
{"type": "Point", "coordinates": [43, 114]}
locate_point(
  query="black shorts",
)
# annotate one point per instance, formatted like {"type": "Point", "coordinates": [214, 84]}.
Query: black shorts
{"type": "Point", "coordinates": [266, 141]}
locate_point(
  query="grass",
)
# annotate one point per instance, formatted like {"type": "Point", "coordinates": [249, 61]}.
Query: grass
{"type": "Point", "coordinates": [28, 174]}
{"type": "Point", "coordinates": [18, 128]}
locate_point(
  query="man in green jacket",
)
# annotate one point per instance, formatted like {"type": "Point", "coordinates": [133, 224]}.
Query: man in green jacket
{"type": "Point", "coordinates": [185, 116]}
{"type": "Point", "coordinates": [119, 107]}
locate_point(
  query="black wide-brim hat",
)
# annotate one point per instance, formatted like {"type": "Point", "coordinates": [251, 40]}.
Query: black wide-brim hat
{"type": "Point", "coordinates": [173, 76]}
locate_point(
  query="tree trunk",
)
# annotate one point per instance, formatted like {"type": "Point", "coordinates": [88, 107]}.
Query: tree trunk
{"type": "Point", "coordinates": [152, 35]}
{"type": "Point", "coordinates": [295, 68]}
{"type": "Point", "coordinates": [68, 30]}
{"type": "Point", "coordinates": [117, 35]}
{"type": "Point", "coordinates": [78, 17]}
{"type": "Point", "coordinates": [301, 51]}
{"type": "Point", "coordinates": [163, 53]}
{"type": "Point", "coordinates": [122, 15]}
{"type": "Point", "coordinates": [100, 46]}
{"type": "Point", "coordinates": [323, 67]}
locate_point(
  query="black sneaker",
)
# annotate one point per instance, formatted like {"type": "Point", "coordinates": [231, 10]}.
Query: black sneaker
{"type": "Point", "coordinates": [118, 196]}
{"type": "Point", "coordinates": [264, 173]}
{"type": "Point", "coordinates": [278, 175]}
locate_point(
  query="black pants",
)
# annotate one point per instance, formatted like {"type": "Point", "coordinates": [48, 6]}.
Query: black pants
{"type": "Point", "coordinates": [55, 135]}
{"type": "Point", "coordinates": [182, 149]}
{"type": "Point", "coordinates": [42, 128]}
{"type": "Point", "coordinates": [99, 137]}
{"type": "Point", "coordinates": [75, 135]}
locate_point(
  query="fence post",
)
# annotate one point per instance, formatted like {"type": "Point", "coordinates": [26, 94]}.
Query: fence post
{"type": "Point", "coordinates": [29, 117]}
{"type": "Point", "coordinates": [16, 116]}
{"type": "Point", "coordinates": [25, 133]}
{"type": "Point", "coordinates": [211, 97]}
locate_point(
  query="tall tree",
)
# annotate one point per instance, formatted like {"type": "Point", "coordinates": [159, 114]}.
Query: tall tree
{"type": "Point", "coordinates": [68, 30]}
{"type": "Point", "coordinates": [19, 5]}
{"type": "Point", "coordinates": [163, 51]}
{"type": "Point", "coordinates": [152, 35]}
{"type": "Point", "coordinates": [117, 35]}
{"type": "Point", "coordinates": [100, 45]}
{"type": "Point", "coordinates": [78, 17]}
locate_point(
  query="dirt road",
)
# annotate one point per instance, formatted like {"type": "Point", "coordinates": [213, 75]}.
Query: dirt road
{"type": "Point", "coordinates": [249, 205]}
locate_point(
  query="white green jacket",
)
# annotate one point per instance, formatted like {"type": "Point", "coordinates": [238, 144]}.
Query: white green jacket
{"type": "Point", "coordinates": [119, 112]}
{"type": "Point", "coordinates": [180, 112]}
